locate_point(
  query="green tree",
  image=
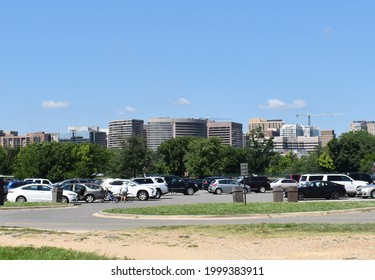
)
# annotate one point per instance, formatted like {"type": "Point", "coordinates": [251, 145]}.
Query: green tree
{"type": "Point", "coordinates": [171, 154]}
{"type": "Point", "coordinates": [205, 157]}
{"type": "Point", "coordinates": [58, 161]}
{"type": "Point", "coordinates": [259, 152]}
{"type": "Point", "coordinates": [282, 165]}
{"type": "Point", "coordinates": [350, 149]}
{"type": "Point", "coordinates": [132, 159]}
{"type": "Point", "coordinates": [326, 163]}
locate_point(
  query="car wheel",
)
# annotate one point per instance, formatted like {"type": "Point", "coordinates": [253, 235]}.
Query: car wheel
{"type": "Point", "coordinates": [21, 199]}
{"type": "Point", "coordinates": [335, 195]}
{"type": "Point", "coordinates": [245, 190]}
{"type": "Point", "coordinates": [262, 189]}
{"type": "Point", "coordinates": [90, 198]}
{"type": "Point", "coordinates": [301, 196]}
{"type": "Point", "coordinates": [142, 195]}
{"type": "Point", "coordinates": [373, 194]}
{"type": "Point", "coordinates": [158, 194]}
{"type": "Point", "coordinates": [189, 191]}
{"type": "Point", "coordinates": [64, 199]}
{"type": "Point", "coordinates": [218, 191]}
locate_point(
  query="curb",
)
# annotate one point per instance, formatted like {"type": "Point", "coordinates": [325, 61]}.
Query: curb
{"type": "Point", "coordinates": [102, 214]}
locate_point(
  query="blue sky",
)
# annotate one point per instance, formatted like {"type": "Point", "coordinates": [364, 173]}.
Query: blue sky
{"type": "Point", "coordinates": [80, 63]}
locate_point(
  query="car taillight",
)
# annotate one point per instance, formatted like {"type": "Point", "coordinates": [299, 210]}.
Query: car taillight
{"type": "Point", "coordinates": [214, 184]}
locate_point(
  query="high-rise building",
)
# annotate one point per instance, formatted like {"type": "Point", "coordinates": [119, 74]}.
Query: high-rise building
{"type": "Point", "coordinates": [162, 129]}
{"type": "Point", "coordinates": [268, 127]}
{"type": "Point", "coordinates": [300, 145]}
{"type": "Point", "coordinates": [326, 136]}
{"type": "Point", "coordinates": [295, 130]}
{"type": "Point", "coordinates": [119, 131]}
{"type": "Point", "coordinates": [11, 139]}
{"type": "Point", "coordinates": [368, 126]}
{"type": "Point", "coordinates": [84, 134]}
{"type": "Point", "coordinates": [230, 133]}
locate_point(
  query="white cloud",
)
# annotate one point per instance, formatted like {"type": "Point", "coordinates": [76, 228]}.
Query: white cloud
{"type": "Point", "coordinates": [276, 104]}
{"type": "Point", "coordinates": [127, 109]}
{"type": "Point", "coordinates": [183, 101]}
{"type": "Point", "coordinates": [327, 30]}
{"type": "Point", "coordinates": [51, 104]}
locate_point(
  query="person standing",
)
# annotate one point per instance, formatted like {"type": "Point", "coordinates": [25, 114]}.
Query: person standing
{"type": "Point", "coordinates": [124, 193]}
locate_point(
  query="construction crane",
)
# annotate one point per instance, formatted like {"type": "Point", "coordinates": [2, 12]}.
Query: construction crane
{"type": "Point", "coordinates": [316, 115]}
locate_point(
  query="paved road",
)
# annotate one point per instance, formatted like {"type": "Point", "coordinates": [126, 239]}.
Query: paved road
{"type": "Point", "coordinates": [84, 218]}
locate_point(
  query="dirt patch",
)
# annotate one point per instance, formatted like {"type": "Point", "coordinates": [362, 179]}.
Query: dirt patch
{"type": "Point", "coordinates": [175, 245]}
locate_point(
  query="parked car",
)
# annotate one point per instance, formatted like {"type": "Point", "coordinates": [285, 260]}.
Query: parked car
{"type": "Point", "coordinates": [321, 189]}
{"type": "Point", "coordinates": [142, 192]}
{"type": "Point", "coordinates": [284, 183]}
{"type": "Point", "coordinates": [219, 186]}
{"type": "Point", "coordinates": [16, 184]}
{"type": "Point", "coordinates": [360, 177]}
{"type": "Point", "coordinates": [295, 177]}
{"type": "Point", "coordinates": [88, 192]}
{"type": "Point", "coordinates": [257, 183]}
{"type": "Point", "coordinates": [178, 185]}
{"type": "Point", "coordinates": [38, 193]}
{"type": "Point", "coordinates": [367, 191]}
{"type": "Point", "coordinates": [207, 181]}
{"type": "Point", "coordinates": [157, 182]}
{"type": "Point", "coordinates": [38, 181]}
{"type": "Point", "coordinates": [350, 184]}
{"type": "Point", "coordinates": [73, 181]}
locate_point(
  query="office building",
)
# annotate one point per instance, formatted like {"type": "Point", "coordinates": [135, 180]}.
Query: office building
{"type": "Point", "coordinates": [300, 145]}
{"type": "Point", "coordinates": [368, 126]}
{"type": "Point", "coordinates": [162, 129]}
{"type": "Point", "coordinates": [269, 128]}
{"type": "Point", "coordinates": [120, 130]}
{"type": "Point", "coordinates": [230, 133]}
{"type": "Point", "coordinates": [84, 134]}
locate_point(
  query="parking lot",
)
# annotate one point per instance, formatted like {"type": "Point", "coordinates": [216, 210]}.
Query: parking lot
{"type": "Point", "coordinates": [83, 217]}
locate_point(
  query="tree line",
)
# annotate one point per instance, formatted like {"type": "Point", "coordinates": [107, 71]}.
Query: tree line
{"type": "Point", "coordinates": [195, 157]}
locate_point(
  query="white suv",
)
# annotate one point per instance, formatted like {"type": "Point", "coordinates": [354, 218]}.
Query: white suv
{"type": "Point", "coordinates": [38, 180]}
{"type": "Point", "coordinates": [157, 182]}
{"type": "Point", "coordinates": [142, 192]}
{"type": "Point", "coordinates": [350, 184]}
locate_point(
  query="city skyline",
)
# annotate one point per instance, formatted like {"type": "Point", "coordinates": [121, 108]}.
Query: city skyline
{"type": "Point", "coordinates": [88, 63]}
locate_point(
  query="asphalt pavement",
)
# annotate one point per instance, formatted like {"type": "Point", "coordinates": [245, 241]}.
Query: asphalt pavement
{"type": "Point", "coordinates": [86, 217]}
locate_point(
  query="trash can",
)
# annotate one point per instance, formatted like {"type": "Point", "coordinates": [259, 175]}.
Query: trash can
{"type": "Point", "coordinates": [292, 194]}
{"type": "Point", "coordinates": [57, 194]}
{"type": "Point", "coordinates": [238, 194]}
{"type": "Point", "coordinates": [278, 194]}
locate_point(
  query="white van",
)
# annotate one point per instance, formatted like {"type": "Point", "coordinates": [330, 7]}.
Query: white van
{"type": "Point", "coordinates": [350, 184]}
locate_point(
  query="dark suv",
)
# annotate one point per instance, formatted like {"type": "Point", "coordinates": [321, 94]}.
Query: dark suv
{"type": "Point", "coordinates": [178, 185]}
{"type": "Point", "coordinates": [360, 177]}
{"type": "Point", "coordinates": [257, 183]}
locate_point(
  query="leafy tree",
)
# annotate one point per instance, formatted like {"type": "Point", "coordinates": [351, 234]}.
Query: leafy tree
{"type": "Point", "coordinates": [7, 156]}
{"type": "Point", "coordinates": [326, 162]}
{"type": "Point", "coordinates": [281, 165]}
{"type": "Point", "coordinates": [204, 157]}
{"type": "Point", "coordinates": [349, 149]}
{"type": "Point", "coordinates": [58, 161]}
{"type": "Point", "coordinates": [260, 151]}
{"type": "Point", "coordinates": [134, 158]}
{"type": "Point", "coordinates": [171, 154]}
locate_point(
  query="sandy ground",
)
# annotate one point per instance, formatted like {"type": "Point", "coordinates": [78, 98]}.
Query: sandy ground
{"type": "Point", "coordinates": [176, 245]}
